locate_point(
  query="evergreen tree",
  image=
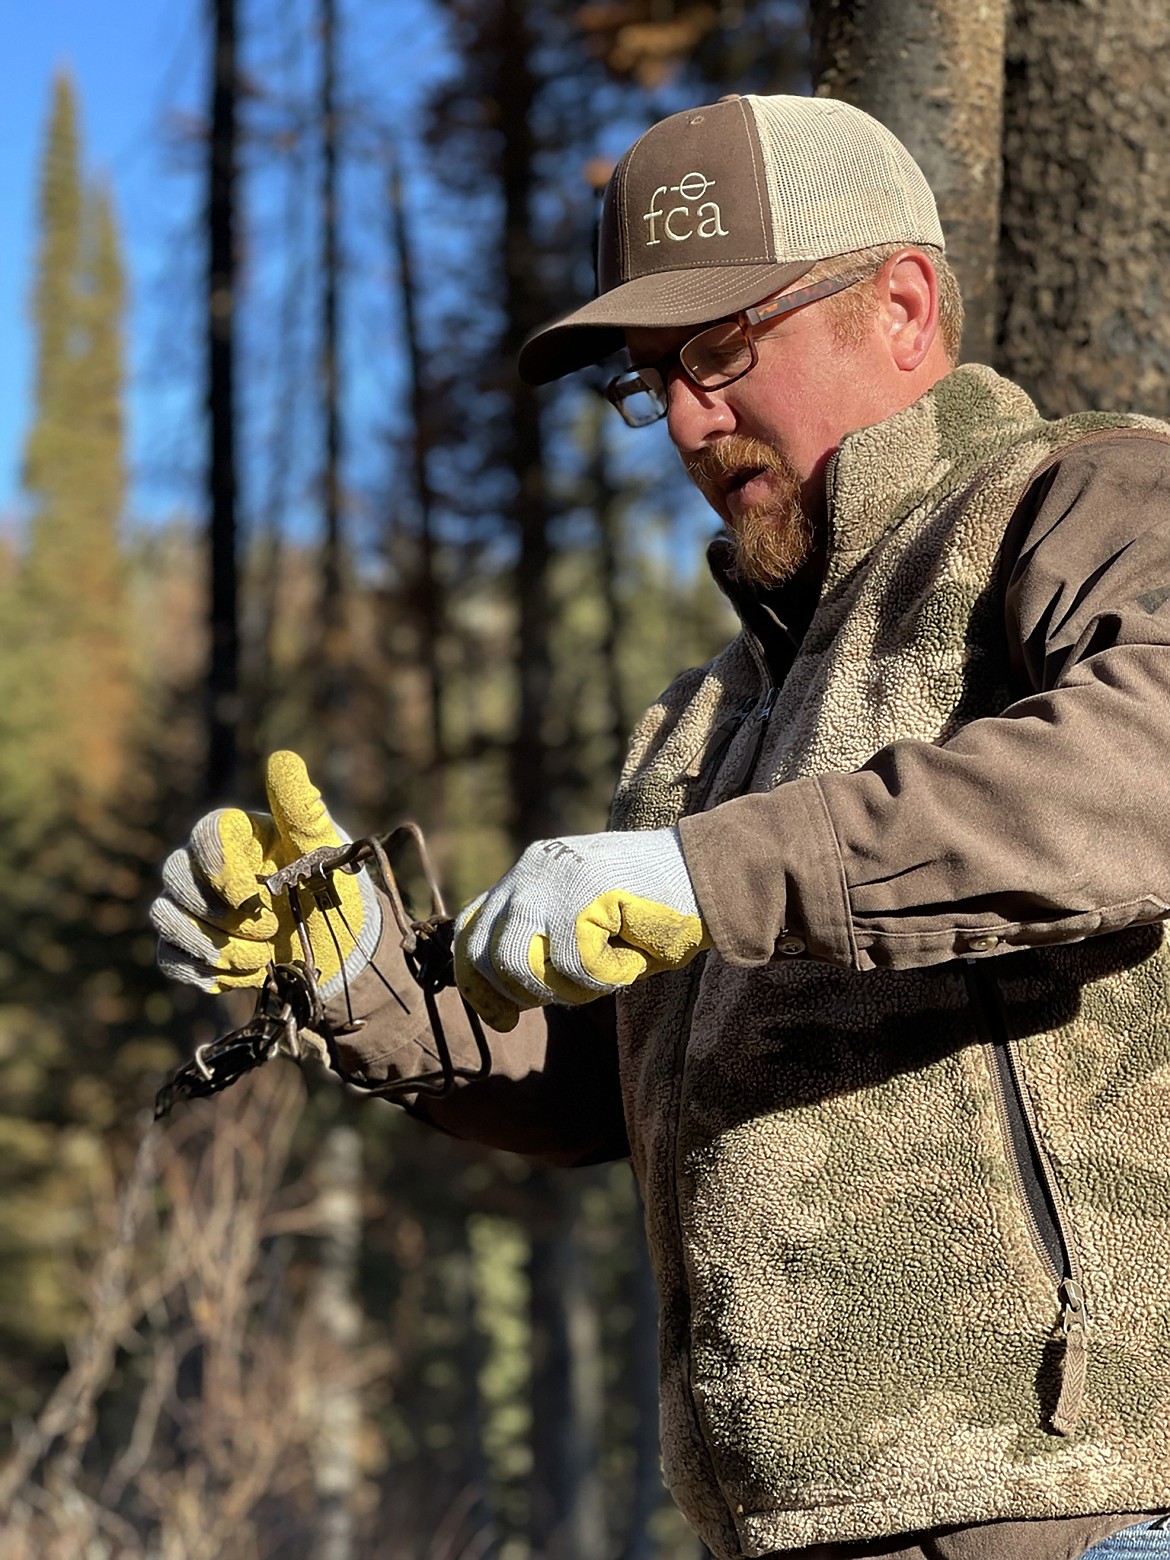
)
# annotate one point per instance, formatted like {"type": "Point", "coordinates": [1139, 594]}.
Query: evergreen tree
{"type": "Point", "coordinates": [55, 302]}
{"type": "Point", "coordinates": [72, 705]}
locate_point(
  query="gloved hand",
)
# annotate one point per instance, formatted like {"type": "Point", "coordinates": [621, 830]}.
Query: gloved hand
{"type": "Point", "coordinates": [576, 918]}
{"type": "Point", "coordinates": [218, 925]}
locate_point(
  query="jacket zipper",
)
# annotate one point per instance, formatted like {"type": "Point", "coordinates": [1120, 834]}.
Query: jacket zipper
{"type": "Point", "coordinates": [714, 762]}
{"type": "Point", "coordinates": [763, 716]}
{"type": "Point", "coordinates": [747, 767]}
{"type": "Point", "coordinates": [1041, 1198]}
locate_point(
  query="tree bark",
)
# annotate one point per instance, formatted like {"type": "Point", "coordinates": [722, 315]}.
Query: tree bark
{"type": "Point", "coordinates": [269, 563]}
{"type": "Point", "coordinates": [428, 595]}
{"type": "Point", "coordinates": [534, 809]}
{"type": "Point", "coordinates": [338, 1318]}
{"type": "Point", "coordinates": [1085, 243]}
{"type": "Point", "coordinates": [648, 1490]}
{"type": "Point", "coordinates": [567, 1518]}
{"type": "Point", "coordinates": [606, 501]}
{"type": "Point", "coordinates": [477, 1527]}
{"type": "Point", "coordinates": [223, 673]}
{"type": "Point", "coordinates": [931, 71]}
{"type": "Point", "coordinates": [333, 690]}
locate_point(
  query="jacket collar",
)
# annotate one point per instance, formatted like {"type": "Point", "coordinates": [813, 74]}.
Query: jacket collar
{"type": "Point", "coordinates": [879, 474]}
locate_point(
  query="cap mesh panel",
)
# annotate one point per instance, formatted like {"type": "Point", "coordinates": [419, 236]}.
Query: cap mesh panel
{"type": "Point", "coordinates": [849, 186]}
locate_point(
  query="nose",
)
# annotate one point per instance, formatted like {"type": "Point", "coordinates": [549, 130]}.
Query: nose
{"type": "Point", "coordinates": [694, 416]}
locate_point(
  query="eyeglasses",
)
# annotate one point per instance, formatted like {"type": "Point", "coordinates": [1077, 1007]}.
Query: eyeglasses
{"type": "Point", "coordinates": [713, 359]}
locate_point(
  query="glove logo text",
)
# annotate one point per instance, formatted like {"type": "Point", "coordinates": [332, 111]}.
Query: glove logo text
{"type": "Point", "coordinates": [557, 849]}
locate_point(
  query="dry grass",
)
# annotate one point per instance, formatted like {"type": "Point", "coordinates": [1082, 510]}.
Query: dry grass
{"type": "Point", "coordinates": [219, 1352]}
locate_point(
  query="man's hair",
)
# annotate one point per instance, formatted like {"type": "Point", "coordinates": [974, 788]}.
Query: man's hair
{"type": "Point", "coordinates": [853, 309]}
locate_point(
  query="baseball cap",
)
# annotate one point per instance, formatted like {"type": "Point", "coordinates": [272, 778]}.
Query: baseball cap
{"type": "Point", "coordinates": [719, 206]}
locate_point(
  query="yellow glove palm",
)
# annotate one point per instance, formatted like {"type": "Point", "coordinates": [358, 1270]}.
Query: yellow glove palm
{"type": "Point", "coordinates": [220, 928]}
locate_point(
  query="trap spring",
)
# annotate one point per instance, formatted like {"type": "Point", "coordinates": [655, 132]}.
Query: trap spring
{"type": "Point", "coordinates": [289, 1018]}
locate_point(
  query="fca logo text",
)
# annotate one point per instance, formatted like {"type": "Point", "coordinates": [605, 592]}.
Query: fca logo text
{"type": "Point", "coordinates": [692, 187]}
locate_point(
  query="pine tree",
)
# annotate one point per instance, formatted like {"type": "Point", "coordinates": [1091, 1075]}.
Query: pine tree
{"type": "Point", "coordinates": [50, 476]}
{"type": "Point", "coordinates": [97, 693]}
{"type": "Point", "coordinates": [72, 704]}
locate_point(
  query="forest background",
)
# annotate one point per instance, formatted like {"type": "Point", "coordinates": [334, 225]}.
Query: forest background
{"type": "Point", "coordinates": [293, 1325]}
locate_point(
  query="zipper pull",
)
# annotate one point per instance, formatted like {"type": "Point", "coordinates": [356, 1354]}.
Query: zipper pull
{"type": "Point", "coordinates": [751, 758]}
{"type": "Point", "coordinates": [1074, 1322]}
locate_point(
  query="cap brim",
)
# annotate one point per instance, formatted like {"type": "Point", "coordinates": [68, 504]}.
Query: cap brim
{"type": "Point", "coordinates": [666, 299]}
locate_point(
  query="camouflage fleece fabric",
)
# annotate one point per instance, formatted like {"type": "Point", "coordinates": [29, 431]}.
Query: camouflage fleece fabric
{"type": "Point", "coordinates": [860, 1330]}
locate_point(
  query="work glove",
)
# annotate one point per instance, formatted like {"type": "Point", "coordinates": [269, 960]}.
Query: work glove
{"type": "Point", "coordinates": [220, 928]}
{"type": "Point", "coordinates": [577, 918]}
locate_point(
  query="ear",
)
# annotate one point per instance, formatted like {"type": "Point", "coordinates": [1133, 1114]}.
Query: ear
{"type": "Point", "coordinates": [907, 290]}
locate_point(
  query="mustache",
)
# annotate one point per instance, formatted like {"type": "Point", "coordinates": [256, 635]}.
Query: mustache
{"type": "Point", "coordinates": [771, 540]}
{"type": "Point", "coordinates": [734, 453]}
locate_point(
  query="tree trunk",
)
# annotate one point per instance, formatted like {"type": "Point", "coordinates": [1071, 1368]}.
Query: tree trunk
{"type": "Point", "coordinates": [428, 595]}
{"type": "Point", "coordinates": [586, 1513]}
{"type": "Point", "coordinates": [931, 71]}
{"type": "Point", "coordinates": [332, 681]}
{"type": "Point", "coordinates": [566, 1515]}
{"type": "Point", "coordinates": [606, 500]}
{"type": "Point", "coordinates": [338, 1317]}
{"type": "Point", "coordinates": [477, 1523]}
{"type": "Point", "coordinates": [534, 806]}
{"type": "Point", "coordinates": [1085, 243]}
{"type": "Point", "coordinates": [223, 674]}
{"type": "Point", "coordinates": [268, 565]}
{"type": "Point", "coordinates": [640, 1543]}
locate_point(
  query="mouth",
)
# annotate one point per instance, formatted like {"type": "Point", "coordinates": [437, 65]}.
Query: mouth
{"type": "Point", "coordinates": [740, 473]}
{"type": "Point", "coordinates": [736, 488]}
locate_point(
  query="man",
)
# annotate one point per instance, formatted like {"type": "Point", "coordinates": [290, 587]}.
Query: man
{"type": "Point", "coordinates": [897, 862]}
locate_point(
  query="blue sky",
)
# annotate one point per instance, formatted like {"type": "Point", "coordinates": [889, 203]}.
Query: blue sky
{"type": "Point", "coordinates": [140, 74]}
{"type": "Point", "coordinates": [140, 69]}
{"type": "Point", "coordinates": [132, 64]}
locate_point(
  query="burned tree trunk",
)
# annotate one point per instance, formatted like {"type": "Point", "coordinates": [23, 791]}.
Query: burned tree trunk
{"type": "Point", "coordinates": [428, 592]}
{"type": "Point", "coordinates": [333, 691]}
{"type": "Point", "coordinates": [534, 810]}
{"type": "Point", "coordinates": [931, 71]}
{"type": "Point", "coordinates": [607, 516]}
{"type": "Point", "coordinates": [223, 672]}
{"type": "Point", "coordinates": [1084, 258]}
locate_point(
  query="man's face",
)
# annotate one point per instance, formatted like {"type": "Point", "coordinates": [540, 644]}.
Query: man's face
{"type": "Point", "coordinates": [757, 448]}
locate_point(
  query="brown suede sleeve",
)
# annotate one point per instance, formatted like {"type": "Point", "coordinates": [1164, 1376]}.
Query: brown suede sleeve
{"type": "Point", "coordinates": [1046, 823]}
{"type": "Point", "coordinates": [552, 1093]}
{"type": "Point", "coordinates": [1044, 1538]}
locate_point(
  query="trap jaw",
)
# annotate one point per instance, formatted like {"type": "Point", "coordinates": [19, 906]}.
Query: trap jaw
{"type": "Point", "coordinates": [289, 1017]}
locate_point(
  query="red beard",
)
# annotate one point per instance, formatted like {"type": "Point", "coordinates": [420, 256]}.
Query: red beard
{"type": "Point", "coordinates": [772, 539]}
